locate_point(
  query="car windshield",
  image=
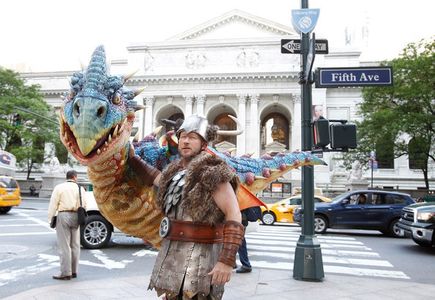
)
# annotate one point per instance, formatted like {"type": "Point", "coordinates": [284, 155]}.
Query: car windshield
{"type": "Point", "coordinates": [6, 182]}
{"type": "Point", "coordinates": [341, 197]}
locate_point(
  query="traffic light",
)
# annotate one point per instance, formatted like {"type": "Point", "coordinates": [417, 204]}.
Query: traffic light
{"type": "Point", "coordinates": [343, 136]}
{"type": "Point", "coordinates": [321, 133]}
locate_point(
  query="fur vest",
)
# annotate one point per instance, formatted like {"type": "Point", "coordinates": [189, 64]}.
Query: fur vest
{"type": "Point", "coordinates": [203, 174]}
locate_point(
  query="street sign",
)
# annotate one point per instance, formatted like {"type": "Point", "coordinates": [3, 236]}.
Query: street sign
{"type": "Point", "coordinates": [373, 164]}
{"type": "Point", "coordinates": [360, 76]}
{"type": "Point", "coordinates": [304, 20]}
{"type": "Point", "coordinates": [293, 46]}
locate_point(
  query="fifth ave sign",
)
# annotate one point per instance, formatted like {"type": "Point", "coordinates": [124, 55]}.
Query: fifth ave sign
{"type": "Point", "coordinates": [364, 76]}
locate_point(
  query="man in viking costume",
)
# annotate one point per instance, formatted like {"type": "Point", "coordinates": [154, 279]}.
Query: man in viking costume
{"type": "Point", "coordinates": [202, 228]}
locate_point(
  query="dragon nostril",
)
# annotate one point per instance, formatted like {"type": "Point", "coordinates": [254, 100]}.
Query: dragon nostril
{"type": "Point", "coordinates": [101, 112]}
{"type": "Point", "coordinates": [76, 110]}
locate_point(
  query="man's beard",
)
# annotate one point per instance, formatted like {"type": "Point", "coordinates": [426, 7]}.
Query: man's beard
{"type": "Point", "coordinates": [189, 158]}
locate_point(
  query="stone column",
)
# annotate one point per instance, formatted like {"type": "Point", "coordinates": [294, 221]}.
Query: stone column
{"type": "Point", "coordinates": [296, 124]}
{"type": "Point", "coordinates": [189, 103]}
{"type": "Point", "coordinates": [148, 119]}
{"type": "Point", "coordinates": [200, 101]}
{"type": "Point", "coordinates": [241, 116]}
{"type": "Point", "coordinates": [254, 136]}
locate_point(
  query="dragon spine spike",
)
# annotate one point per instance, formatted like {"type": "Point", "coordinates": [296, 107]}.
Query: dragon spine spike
{"type": "Point", "coordinates": [128, 76]}
{"type": "Point", "coordinates": [139, 91]}
{"type": "Point", "coordinates": [97, 70]}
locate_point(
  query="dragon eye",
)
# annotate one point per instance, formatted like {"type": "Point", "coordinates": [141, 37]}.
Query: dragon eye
{"type": "Point", "coordinates": [116, 99]}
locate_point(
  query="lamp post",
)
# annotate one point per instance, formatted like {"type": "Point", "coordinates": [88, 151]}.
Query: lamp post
{"type": "Point", "coordinates": [308, 264]}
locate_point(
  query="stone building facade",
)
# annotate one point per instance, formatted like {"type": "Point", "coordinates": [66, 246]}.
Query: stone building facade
{"type": "Point", "coordinates": [232, 65]}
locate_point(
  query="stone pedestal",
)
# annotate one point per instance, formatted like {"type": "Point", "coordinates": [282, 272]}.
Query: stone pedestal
{"type": "Point", "coordinates": [49, 181]}
{"type": "Point", "coordinates": [360, 184]}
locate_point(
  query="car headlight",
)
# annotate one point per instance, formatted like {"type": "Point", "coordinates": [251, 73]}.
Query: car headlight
{"type": "Point", "coordinates": [425, 216]}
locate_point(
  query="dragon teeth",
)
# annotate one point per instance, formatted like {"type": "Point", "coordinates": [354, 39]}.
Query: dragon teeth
{"type": "Point", "coordinates": [110, 138]}
{"type": "Point", "coordinates": [98, 151]}
{"type": "Point", "coordinates": [115, 132]}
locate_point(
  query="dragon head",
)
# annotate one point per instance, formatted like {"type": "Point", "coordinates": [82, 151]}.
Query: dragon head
{"type": "Point", "coordinates": [98, 113]}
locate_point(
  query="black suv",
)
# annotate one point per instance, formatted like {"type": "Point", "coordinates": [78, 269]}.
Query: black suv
{"type": "Point", "coordinates": [364, 209]}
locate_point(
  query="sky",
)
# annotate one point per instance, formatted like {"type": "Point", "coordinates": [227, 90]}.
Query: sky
{"type": "Point", "coordinates": [58, 35]}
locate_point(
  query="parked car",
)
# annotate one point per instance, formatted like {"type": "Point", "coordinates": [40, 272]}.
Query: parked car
{"type": "Point", "coordinates": [97, 231]}
{"type": "Point", "coordinates": [10, 194]}
{"type": "Point", "coordinates": [364, 209]}
{"type": "Point", "coordinates": [282, 211]}
{"type": "Point", "coordinates": [418, 222]}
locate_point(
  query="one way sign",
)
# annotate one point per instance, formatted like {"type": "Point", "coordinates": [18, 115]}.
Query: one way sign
{"type": "Point", "coordinates": [294, 46]}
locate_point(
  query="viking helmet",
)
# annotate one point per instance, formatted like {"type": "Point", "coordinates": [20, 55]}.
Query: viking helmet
{"type": "Point", "coordinates": [195, 123]}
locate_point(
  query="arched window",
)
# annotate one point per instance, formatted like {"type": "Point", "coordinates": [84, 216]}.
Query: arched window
{"type": "Point", "coordinates": [174, 118]}
{"type": "Point", "coordinates": [225, 123]}
{"type": "Point", "coordinates": [385, 153]}
{"type": "Point", "coordinates": [417, 149]}
{"type": "Point", "coordinates": [274, 128]}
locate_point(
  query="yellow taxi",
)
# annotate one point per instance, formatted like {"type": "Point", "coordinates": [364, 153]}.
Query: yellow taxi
{"type": "Point", "coordinates": [282, 211]}
{"type": "Point", "coordinates": [10, 194]}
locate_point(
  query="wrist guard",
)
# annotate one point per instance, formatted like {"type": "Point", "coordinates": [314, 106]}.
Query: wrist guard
{"type": "Point", "coordinates": [145, 172]}
{"type": "Point", "coordinates": [233, 235]}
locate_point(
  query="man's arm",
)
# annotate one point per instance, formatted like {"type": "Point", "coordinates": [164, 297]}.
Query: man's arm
{"type": "Point", "coordinates": [226, 200]}
{"type": "Point", "coordinates": [54, 203]}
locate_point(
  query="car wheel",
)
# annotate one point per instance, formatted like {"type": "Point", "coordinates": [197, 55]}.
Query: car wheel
{"type": "Point", "coordinates": [320, 224]}
{"type": "Point", "coordinates": [96, 233]}
{"type": "Point", "coordinates": [5, 209]}
{"type": "Point", "coordinates": [268, 218]}
{"type": "Point", "coordinates": [394, 230]}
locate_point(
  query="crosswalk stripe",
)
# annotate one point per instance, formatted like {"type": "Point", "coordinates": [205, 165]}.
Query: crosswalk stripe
{"type": "Point", "coordinates": [325, 258]}
{"type": "Point", "coordinates": [334, 269]}
{"type": "Point", "coordinates": [324, 251]}
{"type": "Point", "coordinates": [266, 237]}
{"type": "Point", "coordinates": [292, 242]}
{"type": "Point", "coordinates": [26, 233]}
{"type": "Point", "coordinates": [274, 248]}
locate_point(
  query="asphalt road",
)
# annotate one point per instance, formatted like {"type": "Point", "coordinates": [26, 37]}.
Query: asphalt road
{"type": "Point", "coordinates": [28, 254]}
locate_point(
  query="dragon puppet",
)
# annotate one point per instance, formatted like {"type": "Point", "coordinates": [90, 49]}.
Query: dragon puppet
{"type": "Point", "coordinates": [96, 123]}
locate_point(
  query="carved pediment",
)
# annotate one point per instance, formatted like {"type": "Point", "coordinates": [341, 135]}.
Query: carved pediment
{"type": "Point", "coordinates": [224, 146]}
{"type": "Point", "coordinates": [235, 24]}
{"type": "Point", "coordinates": [275, 147]}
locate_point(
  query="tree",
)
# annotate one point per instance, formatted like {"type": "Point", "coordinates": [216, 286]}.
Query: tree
{"type": "Point", "coordinates": [401, 118]}
{"type": "Point", "coordinates": [25, 117]}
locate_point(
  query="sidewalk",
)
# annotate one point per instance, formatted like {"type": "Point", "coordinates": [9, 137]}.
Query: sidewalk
{"type": "Point", "coordinates": [261, 284]}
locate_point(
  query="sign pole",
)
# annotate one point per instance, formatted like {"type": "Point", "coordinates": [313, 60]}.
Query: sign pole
{"type": "Point", "coordinates": [308, 264]}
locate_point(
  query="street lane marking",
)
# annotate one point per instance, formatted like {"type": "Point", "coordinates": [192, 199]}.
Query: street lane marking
{"type": "Point", "coordinates": [293, 243]}
{"type": "Point", "coordinates": [109, 263]}
{"type": "Point", "coordinates": [37, 221]}
{"type": "Point", "coordinates": [325, 258]}
{"type": "Point", "coordinates": [324, 251]}
{"type": "Point", "coordinates": [263, 238]}
{"type": "Point", "coordinates": [145, 252]}
{"type": "Point", "coordinates": [25, 233]}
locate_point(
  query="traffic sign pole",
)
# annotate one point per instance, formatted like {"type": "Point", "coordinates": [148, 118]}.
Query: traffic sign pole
{"type": "Point", "coordinates": [308, 264]}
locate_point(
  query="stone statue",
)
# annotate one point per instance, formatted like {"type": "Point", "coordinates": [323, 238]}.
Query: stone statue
{"type": "Point", "coordinates": [355, 172]}
{"type": "Point", "coordinates": [55, 167]}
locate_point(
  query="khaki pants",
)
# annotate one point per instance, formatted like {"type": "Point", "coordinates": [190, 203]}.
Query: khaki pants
{"type": "Point", "coordinates": [68, 242]}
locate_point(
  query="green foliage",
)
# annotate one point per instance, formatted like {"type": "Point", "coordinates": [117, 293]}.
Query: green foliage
{"type": "Point", "coordinates": [22, 133]}
{"type": "Point", "coordinates": [401, 112]}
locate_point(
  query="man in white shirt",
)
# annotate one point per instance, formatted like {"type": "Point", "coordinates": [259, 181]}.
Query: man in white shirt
{"type": "Point", "coordinates": [64, 202]}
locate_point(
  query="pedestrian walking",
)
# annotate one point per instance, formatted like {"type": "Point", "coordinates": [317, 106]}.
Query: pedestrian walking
{"type": "Point", "coordinates": [64, 203]}
{"type": "Point", "coordinates": [201, 230]}
{"type": "Point", "coordinates": [243, 250]}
